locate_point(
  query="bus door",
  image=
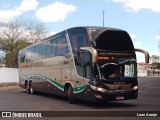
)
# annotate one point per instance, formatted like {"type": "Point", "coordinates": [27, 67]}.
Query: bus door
{"type": "Point", "coordinates": [83, 67]}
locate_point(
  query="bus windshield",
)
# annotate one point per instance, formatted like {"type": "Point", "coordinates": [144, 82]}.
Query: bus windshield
{"type": "Point", "coordinates": [115, 69]}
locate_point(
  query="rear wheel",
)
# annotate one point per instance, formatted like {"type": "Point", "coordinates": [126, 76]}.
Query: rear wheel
{"type": "Point", "coordinates": [31, 88]}
{"type": "Point", "coordinates": [71, 95]}
{"type": "Point", "coordinates": [27, 88]}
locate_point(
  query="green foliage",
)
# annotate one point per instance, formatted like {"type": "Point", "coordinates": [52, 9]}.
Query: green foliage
{"type": "Point", "coordinates": [156, 64]}
{"type": "Point", "coordinates": [11, 59]}
{"type": "Point", "coordinates": [154, 59]}
{"type": "Point", "coordinates": [17, 34]}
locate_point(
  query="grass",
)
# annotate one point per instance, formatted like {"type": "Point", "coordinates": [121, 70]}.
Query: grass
{"type": "Point", "coordinates": [8, 85]}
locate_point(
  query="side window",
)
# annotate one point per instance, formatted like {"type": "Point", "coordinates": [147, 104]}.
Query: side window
{"type": "Point", "coordinates": [42, 49]}
{"type": "Point", "coordinates": [78, 39]}
{"type": "Point", "coordinates": [28, 55]}
{"type": "Point", "coordinates": [51, 48]}
{"type": "Point", "coordinates": [34, 52]}
{"type": "Point", "coordinates": [22, 56]}
{"type": "Point", "coordinates": [61, 46]}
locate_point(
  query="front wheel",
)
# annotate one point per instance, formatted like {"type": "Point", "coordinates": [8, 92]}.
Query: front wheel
{"type": "Point", "coordinates": [71, 95]}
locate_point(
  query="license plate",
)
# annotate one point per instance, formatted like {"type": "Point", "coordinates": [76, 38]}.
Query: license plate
{"type": "Point", "coordinates": [120, 98]}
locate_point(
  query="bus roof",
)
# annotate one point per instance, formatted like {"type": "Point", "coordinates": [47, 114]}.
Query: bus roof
{"type": "Point", "coordinates": [102, 37]}
{"type": "Point", "coordinates": [107, 38]}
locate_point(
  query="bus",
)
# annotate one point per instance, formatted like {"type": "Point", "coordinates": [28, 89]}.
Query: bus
{"type": "Point", "coordinates": [87, 63]}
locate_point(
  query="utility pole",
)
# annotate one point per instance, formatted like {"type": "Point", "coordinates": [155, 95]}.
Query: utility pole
{"type": "Point", "coordinates": [103, 17]}
{"type": "Point", "coordinates": [159, 47]}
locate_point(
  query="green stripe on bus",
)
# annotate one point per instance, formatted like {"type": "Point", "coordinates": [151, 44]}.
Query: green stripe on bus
{"type": "Point", "coordinates": [75, 89]}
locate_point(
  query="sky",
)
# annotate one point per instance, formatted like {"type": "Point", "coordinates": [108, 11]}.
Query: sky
{"type": "Point", "coordinates": [140, 18]}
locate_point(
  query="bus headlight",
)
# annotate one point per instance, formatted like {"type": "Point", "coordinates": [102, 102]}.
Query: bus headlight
{"type": "Point", "coordinates": [135, 87]}
{"type": "Point", "coordinates": [98, 88]}
{"type": "Point", "coordinates": [101, 89]}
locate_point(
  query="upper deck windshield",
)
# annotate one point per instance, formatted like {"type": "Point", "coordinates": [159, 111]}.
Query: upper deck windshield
{"type": "Point", "coordinates": [110, 39]}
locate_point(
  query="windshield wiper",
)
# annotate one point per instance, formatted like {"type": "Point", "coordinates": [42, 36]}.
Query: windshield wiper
{"type": "Point", "coordinates": [127, 62]}
{"type": "Point", "coordinates": [109, 64]}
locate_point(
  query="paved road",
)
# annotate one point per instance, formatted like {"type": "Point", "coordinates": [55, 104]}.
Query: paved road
{"type": "Point", "coordinates": [16, 99]}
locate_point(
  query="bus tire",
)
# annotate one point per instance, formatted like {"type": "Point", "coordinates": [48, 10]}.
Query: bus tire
{"type": "Point", "coordinates": [70, 95]}
{"type": "Point", "coordinates": [31, 89]}
{"type": "Point", "coordinates": [27, 88]}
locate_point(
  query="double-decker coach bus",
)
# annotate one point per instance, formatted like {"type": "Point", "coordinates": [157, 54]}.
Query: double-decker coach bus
{"type": "Point", "coordinates": [87, 63]}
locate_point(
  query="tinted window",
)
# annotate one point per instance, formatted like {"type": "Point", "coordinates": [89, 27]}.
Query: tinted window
{"type": "Point", "coordinates": [61, 46]}
{"type": "Point", "coordinates": [34, 52]}
{"type": "Point", "coordinates": [22, 55]}
{"type": "Point", "coordinates": [78, 39]}
{"type": "Point", "coordinates": [114, 40]}
{"type": "Point", "coordinates": [28, 55]}
{"type": "Point", "coordinates": [51, 48]}
{"type": "Point", "coordinates": [42, 49]}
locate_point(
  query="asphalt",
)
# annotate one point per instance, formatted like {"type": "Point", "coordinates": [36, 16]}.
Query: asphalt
{"type": "Point", "coordinates": [16, 99]}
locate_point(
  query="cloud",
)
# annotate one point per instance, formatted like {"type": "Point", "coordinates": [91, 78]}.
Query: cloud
{"type": "Point", "coordinates": [157, 37]}
{"type": "Point", "coordinates": [5, 5]}
{"type": "Point", "coordinates": [137, 43]}
{"type": "Point", "coordinates": [8, 14]}
{"type": "Point", "coordinates": [136, 5]}
{"type": "Point", "coordinates": [55, 12]}
{"type": "Point", "coordinates": [26, 5]}
{"type": "Point", "coordinates": [133, 36]}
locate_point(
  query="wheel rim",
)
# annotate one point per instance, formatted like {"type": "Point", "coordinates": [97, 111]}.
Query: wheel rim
{"type": "Point", "coordinates": [31, 89]}
{"type": "Point", "coordinates": [27, 88]}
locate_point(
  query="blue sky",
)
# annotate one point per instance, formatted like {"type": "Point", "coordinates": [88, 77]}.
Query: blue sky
{"type": "Point", "coordinates": [140, 18]}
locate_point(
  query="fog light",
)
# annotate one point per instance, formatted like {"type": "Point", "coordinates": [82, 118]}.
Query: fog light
{"type": "Point", "coordinates": [98, 96]}
{"type": "Point", "coordinates": [135, 88]}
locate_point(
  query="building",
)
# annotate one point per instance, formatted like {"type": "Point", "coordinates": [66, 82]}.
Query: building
{"type": "Point", "coordinates": [145, 69]}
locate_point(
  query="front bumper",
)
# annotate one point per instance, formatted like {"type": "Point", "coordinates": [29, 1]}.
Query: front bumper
{"type": "Point", "coordinates": [114, 95]}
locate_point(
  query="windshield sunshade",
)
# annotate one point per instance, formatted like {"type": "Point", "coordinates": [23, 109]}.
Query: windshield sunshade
{"type": "Point", "coordinates": [114, 41]}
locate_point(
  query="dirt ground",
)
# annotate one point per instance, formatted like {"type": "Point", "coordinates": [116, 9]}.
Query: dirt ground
{"type": "Point", "coordinates": [8, 87]}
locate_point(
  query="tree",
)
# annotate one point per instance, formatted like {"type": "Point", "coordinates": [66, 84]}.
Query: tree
{"type": "Point", "coordinates": [18, 33]}
{"type": "Point", "coordinates": [154, 59]}
{"type": "Point", "coordinates": [11, 58]}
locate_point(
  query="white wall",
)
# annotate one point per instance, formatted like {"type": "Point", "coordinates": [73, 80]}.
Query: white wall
{"type": "Point", "coordinates": [8, 75]}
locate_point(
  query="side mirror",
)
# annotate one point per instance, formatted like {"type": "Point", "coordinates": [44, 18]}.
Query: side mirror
{"type": "Point", "coordinates": [93, 52]}
{"type": "Point", "coordinates": [145, 53]}
{"type": "Point", "coordinates": [85, 56]}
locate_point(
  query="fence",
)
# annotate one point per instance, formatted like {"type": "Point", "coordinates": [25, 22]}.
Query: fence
{"type": "Point", "coordinates": [153, 72]}
{"type": "Point", "coordinates": [8, 75]}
